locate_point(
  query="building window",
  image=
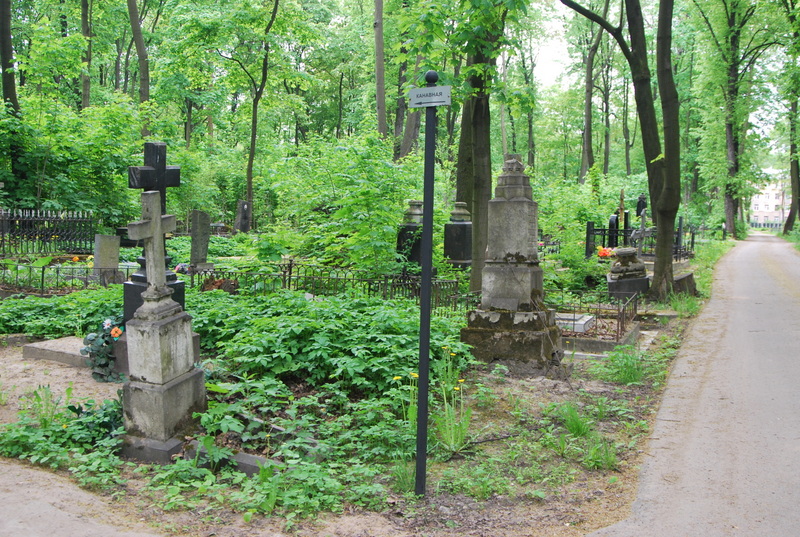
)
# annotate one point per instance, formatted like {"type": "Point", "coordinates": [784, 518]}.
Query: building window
{"type": "Point", "coordinates": [755, 207]}
{"type": "Point", "coordinates": [777, 195]}
{"type": "Point", "coordinates": [777, 219]}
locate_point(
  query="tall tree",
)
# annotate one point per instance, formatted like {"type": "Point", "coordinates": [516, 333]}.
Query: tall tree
{"type": "Point", "coordinates": [141, 53]}
{"type": "Point", "coordinates": [482, 36]}
{"type": "Point", "coordinates": [792, 92]}
{"type": "Point", "coordinates": [380, 71]}
{"type": "Point", "coordinates": [587, 149]}
{"type": "Point", "coordinates": [663, 167]}
{"type": "Point", "coordinates": [17, 178]}
{"type": "Point", "coordinates": [738, 40]}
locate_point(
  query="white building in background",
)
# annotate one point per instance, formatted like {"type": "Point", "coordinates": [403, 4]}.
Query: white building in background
{"type": "Point", "coordinates": [769, 207]}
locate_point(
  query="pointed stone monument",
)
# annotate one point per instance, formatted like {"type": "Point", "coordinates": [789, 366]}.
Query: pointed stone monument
{"type": "Point", "coordinates": [513, 327]}
{"type": "Point", "coordinates": [164, 387]}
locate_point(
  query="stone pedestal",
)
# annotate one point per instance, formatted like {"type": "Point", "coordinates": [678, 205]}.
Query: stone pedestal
{"type": "Point", "coordinates": [527, 343]}
{"type": "Point", "coordinates": [165, 388]}
{"type": "Point", "coordinates": [513, 327]}
{"type": "Point", "coordinates": [458, 237]}
{"type": "Point", "coordinates": [628, 275]}
{"type": "Point", "coordinates": [409, 235]}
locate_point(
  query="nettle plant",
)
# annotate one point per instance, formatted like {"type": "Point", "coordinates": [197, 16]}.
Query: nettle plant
{"type": "Point", "coordinates": [99, 350]}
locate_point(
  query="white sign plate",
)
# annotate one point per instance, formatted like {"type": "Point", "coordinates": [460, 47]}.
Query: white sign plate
{"type": "Point", "coordinates": [424, 97]}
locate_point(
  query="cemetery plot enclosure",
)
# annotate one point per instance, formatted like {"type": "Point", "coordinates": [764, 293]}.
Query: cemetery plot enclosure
{"type": "Point", "coordinates": [326, 281]}
{"type": "Point", "coordinates": [608, 320]}
{"type": "Point", "coordinates": [45, 232]}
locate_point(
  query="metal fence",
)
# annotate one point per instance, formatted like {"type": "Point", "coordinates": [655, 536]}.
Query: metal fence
{"type": "Point", "coordinates": [682, 246]}
{"type": "Point", "coordinates": [57, 279]}
{"type": "Point", "coordinates": [325, 281]}
{"type": "Point", "coordinates": [613, 317]}
{"type": "Point", "coordinates": [24, 232]}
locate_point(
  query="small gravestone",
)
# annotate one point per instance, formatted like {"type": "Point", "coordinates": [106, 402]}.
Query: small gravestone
{"type": "Point", "coordinates": [242, 222]}
{"type": "Point", "coordinates": [201, 235]}
{"type": "Point", "coordinates": [512, 326]}
{"type": "Point", "coordinates": [155, 175]}
{"type": "Point", "coordinates": [409, 237]}
{"type": "Point", "coordinates": [164, 387]}
{"type": "Point", "coordinates": [458, 237]}
{"type": "Point", "coordinates": [628, 275]}
{"type": "Point", "coordinates": [106, 259]}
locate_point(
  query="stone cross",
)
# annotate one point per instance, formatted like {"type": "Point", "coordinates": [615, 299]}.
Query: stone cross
{"type": "Point", "coordinates": [155, 174]}
{"type": "Point", "coordinates": [151, 229]}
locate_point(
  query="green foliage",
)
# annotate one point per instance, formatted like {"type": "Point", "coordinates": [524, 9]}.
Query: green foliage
{"type": "Point", "coordinates": [82, 437]}
{"type": "Point", "coordinates": [57, 317]}
{"type": "Point", "coordinates": [624, 365]}
{"type": "Point", "coordinates": [361, 343]}
{"type": "Point", "coordinates": [99, 351]}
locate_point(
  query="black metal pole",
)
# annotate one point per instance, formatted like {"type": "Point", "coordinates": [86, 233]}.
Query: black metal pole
{"type": "Point", "coordinates": [426, 261]}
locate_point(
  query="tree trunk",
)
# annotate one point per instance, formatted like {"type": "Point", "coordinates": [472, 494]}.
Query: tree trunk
{"type": "Point", "coordinates": [669, 199]}
{"type": "Point", "coordinates": [18, 179]}
{"type": "Point", "coordinates": [663, 169]}
{"type": "Point", "coordinates": [794, 168]}
{"type": "Point", "coordinates": [380, 71]}
{"type": "Point", "coordinates": [86, 30]}
{"type": "Point", "coordinates": [141, 53]}
{"type": "Point", "coordinates": [587, 150]}
{"type": "Point", "coordinates": [482, 178]}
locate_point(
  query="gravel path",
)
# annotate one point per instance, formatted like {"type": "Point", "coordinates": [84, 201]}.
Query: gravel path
{"type": "Point", "coordinates": [724, 457]}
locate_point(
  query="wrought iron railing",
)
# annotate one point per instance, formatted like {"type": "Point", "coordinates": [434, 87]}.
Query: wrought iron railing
{"type": "Point", "coordinates": [323, 281]}
{"type": "Point", "coordinates": [24, 232]}
{"type": "Point", "coordinates": [613, 317]}
{"type": "Point", "coordinates": [57, 279]}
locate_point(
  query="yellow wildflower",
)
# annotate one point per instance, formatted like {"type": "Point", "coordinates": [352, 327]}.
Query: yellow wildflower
{"type": "Point", "coordinates": [414, 375]}
{"type": "Point", "coordinates": [396, 378]}
{"type": "Point", "coordinates": [460, 380]}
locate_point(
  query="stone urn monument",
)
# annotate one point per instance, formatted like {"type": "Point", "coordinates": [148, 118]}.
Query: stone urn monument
{"type": "Point", "coordinates": [512, 327]}
{"type": "Point", "coordinates": [627, 274]}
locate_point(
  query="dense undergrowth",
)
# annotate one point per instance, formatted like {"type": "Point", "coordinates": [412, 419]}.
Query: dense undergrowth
{"type": "Point", "coordinates": [325, 390]}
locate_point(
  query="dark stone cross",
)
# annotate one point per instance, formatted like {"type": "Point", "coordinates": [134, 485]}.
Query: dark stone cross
{"type": "Point", "coordinates": [155, 174]}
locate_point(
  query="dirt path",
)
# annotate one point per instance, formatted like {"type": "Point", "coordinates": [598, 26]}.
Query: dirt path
{"type": "Point", "coordinates": [725, 449]}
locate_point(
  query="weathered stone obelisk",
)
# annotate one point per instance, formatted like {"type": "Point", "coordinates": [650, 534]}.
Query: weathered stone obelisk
{"type": "Point", "coordinates": [164, 388]}
{"type": "Point", "coordinates": [512, 326]}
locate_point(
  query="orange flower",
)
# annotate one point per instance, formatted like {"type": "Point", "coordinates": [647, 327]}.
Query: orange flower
{"type": "Point", "coordinates": [116, 332]}
{"type": "Point", "coordinates": [76, 259]}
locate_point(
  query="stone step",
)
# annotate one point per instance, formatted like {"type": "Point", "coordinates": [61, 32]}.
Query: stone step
{"type": "Point", "coordinates": [66, 350]}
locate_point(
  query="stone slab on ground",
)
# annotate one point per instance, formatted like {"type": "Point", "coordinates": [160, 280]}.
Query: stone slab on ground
{"type": "Point", "coordinates": [66, 350]}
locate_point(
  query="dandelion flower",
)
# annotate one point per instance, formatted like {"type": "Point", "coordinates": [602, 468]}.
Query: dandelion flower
{"type": "Point", "coordinates": [457, 388]}
{"type": "Point", "coordinates": [414, 375]}
{"type": "Point", "coordinates": [452, 354]}
{"type": "Point", "coordinates": [460, 380]}
{"type": "Point", "coordinates": [396, 378]}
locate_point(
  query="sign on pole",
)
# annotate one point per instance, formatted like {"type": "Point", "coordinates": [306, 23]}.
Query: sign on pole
{"type": "Point", "coordinates": [429, 97]}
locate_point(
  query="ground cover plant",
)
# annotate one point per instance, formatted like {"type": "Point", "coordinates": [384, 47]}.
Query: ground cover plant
{"type": "Point", "coordinates": [325, 390]}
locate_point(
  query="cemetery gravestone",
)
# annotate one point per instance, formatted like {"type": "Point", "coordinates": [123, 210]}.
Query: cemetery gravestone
{"type": "Point", "coordinates": [512, 326]}
{"type": "Point", "coordinates": [409, 236]}
{"type": "Point", "coordinates": [458, 237]}
{"type": "Point", "coordinates": [201, 235]}
{"type": "Point", "coordinates": [106, 259]}
{"type": "Point", "coordinates": [242, 222]}
{"type": "Point", "coordinates": [164, 387]}
{"type": "Point", "coordinates": [155, 175]}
